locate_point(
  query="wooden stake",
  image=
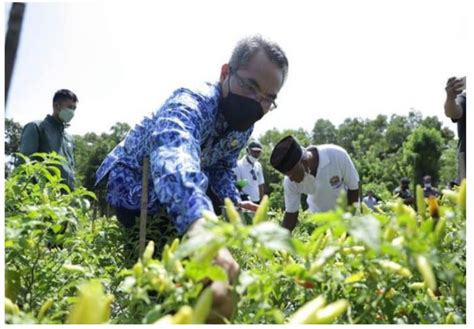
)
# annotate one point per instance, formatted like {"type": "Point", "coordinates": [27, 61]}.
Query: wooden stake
{"type": "Point", "coordinates": [144, 204]}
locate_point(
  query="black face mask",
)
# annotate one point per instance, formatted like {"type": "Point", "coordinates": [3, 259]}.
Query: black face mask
{"type": "Point", "coordinates": [240, 112]}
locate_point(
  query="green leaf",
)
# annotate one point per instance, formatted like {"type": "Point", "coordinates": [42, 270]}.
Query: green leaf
{"type": "Point", "coordinates": [272, 236]}
{"type": "Point", "coordinates": [56, 228]}
{"type": "Point", "coordinates": [196, 242]}
{"type": "Point", "coordinates": [241, 183]}
{"type": "Point", "coordinates": [367, 230]}
{"type": "Point", "coordinates": [300, 247]}
{"type": "Point", "coordinates": [294, 270]}
{"type": "Point", "coordinates": [153, 315]}
{"type": "Point", "coordinates": [246, 278]}
{"type": "Point", "coordinates": [199, 271]}
{"type": "Point", "coordinates": [324, 218]}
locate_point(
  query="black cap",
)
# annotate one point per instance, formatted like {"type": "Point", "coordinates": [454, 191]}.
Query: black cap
{"type": "Point", "coordinates": [255, 146]}
{"type": "Point", "coordinates": [286, 154]}
{"type": "Point", "coordinates": [405, 180]}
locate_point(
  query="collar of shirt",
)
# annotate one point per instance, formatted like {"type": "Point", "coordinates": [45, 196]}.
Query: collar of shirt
{"type": "Point", "coordinates": [323, 160]}
{"type": "Point", "coordinates": [55, 122]}
{"type": "Point", "coordinates": [250, 163]}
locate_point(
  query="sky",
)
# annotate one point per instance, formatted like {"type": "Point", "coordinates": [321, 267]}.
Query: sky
{"type": "Point", "coordinates": [347, 58]}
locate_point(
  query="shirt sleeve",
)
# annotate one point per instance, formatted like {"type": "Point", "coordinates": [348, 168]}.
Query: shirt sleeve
{"type": "Point", "coordinates": [29, 143]}
{"type": "Point", "coordinates": [222, 178]}
{"type": "Point", "coordinates": [351, 177]}
{"type": "Point", "coordinates": [461, 102]}
{"type": "Point", "coordinates": [179, 183]}
{"type": "Point", "coordinates": [292, 197]}
{"type": "Point", "coordinates": [237, 172]}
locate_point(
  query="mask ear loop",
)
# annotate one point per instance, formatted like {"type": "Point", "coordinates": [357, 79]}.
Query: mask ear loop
{"type": "Point", "coordinates": [230, 74]}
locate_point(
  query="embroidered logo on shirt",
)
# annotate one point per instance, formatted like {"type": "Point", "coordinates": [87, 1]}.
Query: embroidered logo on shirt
{"type": "Point", "coordinates": [335, 181]}
{"type": "Point", "coordinates": [234, 143]}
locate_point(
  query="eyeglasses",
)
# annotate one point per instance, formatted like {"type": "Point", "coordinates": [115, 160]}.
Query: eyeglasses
{"type": "Point", "coordinates": [252, 91]}
{"type": "Point", "coordinates": [254, 176]}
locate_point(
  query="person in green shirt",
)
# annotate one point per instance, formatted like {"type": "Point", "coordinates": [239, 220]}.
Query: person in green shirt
{"type": "Point", "coordinates": [48, 135]}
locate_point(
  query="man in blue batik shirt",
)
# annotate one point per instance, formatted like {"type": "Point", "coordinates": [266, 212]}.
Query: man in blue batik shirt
{"type": "Point", "coordinates": [193, 141]}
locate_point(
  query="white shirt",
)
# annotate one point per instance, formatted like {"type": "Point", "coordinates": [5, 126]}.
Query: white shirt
{"type": "Point", "coordinates": [244, 171]}
{"type": "Point", "coordinates": [335, 173]}
{"type": "Point", "coordinates": [370, 201]}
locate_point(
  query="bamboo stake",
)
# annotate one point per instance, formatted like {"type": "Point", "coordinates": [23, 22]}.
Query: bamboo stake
{"type": "Point", "coordinates": [144, 204]}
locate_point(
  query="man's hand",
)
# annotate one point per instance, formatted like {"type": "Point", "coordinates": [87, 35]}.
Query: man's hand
{"type": "Point", "coordinates": [290, 220]}
{"type": "Point", "coordinates": [452, 88]}
{"type": "Point", "coordinates": [249, 205]}
{"type": "Point", "coordinates": [451, 109]}
{"type": "Point", "coordinates": [222, 305]}
{"type": "Point", "coordinates": [225, 260]}
{"type": "Point", "coordinates": [222, 302]}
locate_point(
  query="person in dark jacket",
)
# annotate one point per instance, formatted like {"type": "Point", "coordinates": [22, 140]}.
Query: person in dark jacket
{"type": "Point", "coordinates": [403, 191]}
{"type": "Point", "coordinates": [48, 135]}
{"type": "Point", "coordinates": [428, 188]}
{"type": "Point", "coordinates": [455, 109]}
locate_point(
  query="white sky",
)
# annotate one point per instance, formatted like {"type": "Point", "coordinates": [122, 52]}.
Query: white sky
{"type": "Point", "coordinates": [347, 58]}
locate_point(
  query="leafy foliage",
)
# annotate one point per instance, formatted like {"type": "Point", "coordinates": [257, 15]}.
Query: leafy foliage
{"type": "Point", "coordinates": [390, 265]}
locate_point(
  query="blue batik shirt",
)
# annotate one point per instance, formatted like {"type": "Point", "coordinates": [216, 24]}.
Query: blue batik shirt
{"type": "Point", "coordinates": [190, 148]}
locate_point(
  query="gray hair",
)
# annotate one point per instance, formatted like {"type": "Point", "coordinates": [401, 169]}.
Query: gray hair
{"type": "Point", "coordinates": [249, 46]}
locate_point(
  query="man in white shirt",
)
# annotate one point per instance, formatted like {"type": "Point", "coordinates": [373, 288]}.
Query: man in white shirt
{"type": "Point", "coordinates": [321, 172]}
{"type": "Point", "coordinates": [369, 199]}
{"type": "Point", "coordinates": [250, 170]}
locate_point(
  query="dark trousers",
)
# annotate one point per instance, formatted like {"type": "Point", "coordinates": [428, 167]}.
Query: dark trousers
{"type": "Point", "coordinates": [127, 217]}
{"type": "Point", "coordinates": [160, 228]}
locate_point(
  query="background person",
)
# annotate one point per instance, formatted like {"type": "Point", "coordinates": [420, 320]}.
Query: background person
{"type": "Point", "coordinates": [49, 134]}
{"type": "Point", "coordinates": [455, 108]}
{"type": "Point", "coordinates": [321, 172]}
{"type": "Point", "coordinates": [250, 170]}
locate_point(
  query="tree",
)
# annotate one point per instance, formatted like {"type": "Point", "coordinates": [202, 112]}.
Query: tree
{"type": "Point", "coordinates": [397, 132]}
{"type": "Point", "coordinates": [12, 142]}
{"type": "Point", "coordinates": [89, 152]}
{"type": "Point", "coordinates": [324, 132]}
{"type": "Point", "coordinates": [448, 170]}
{"type": "Point", "coordinates": [12, 136]}
{"type": "Point", "coordinates": [118, 132]}
{"type": "Point", "coordinates": [433, 122]}
{"type": "Point", "coordinates": [349, 131]}
{"type": "Point", "coordinates": [422, 152]}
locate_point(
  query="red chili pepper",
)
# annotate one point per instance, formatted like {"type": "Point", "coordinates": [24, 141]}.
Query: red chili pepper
{"type": "Point", "coordinates": [306, 284]}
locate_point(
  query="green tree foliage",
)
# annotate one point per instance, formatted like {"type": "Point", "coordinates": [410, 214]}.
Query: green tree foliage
{"type": "Point", "coordinates": [89, 152]}
{"type": "Point", "coordinates": [422, 153]}
{"type": "Point", "coordinates": [433, 122]}
{"type": "Point", "coordinates": [349, 131]}
{"type": "Point", "coordinates": [12, 142]}
{"type": "Point", "coordinates": [12, 136]}
{"type": "Point", "coordinates": [448, 170]}
{"type": "Point", "coordinates": [324, 132]}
